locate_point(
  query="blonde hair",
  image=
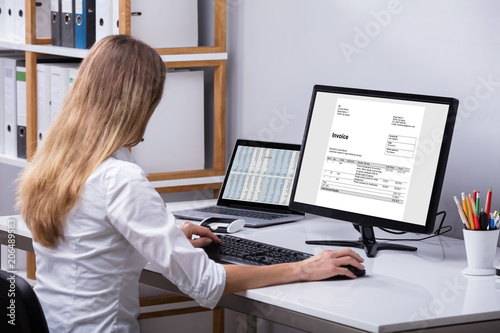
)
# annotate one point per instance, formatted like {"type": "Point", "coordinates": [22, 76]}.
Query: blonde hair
{"type": "Point", "coordinates": [118, 86]}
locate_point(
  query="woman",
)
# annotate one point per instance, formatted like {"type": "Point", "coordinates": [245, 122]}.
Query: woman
{"type": "Point", "coordinates": [95, 219]}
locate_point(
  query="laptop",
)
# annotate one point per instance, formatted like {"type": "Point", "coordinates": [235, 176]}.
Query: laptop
{"type": "Point", "coordinates": [256, 187]}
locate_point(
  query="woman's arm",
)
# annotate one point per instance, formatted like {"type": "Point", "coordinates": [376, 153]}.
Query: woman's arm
{"type": "Point", "coordinates": [239, 277]}
{"type": "Point", "coordinates": [321, 266]}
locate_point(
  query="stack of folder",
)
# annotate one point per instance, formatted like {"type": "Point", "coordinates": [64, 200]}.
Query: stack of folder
{"type": "Point", "coordinates": [54, 76]}
{"type": "Point", "coordinates": [13, 20]}
{"type": "Point", "coordinates": [160, 23]}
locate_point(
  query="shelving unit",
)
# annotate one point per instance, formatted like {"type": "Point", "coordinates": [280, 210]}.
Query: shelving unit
{"type": "Point", "coordinates": [184, 57]}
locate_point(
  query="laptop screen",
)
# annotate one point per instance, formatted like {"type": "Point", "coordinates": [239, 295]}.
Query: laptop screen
{"type": "Point", "coordinates": [261, 172]}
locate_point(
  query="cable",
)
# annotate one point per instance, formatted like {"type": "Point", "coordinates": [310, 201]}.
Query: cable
{"type": "Point", "coordinates": [441, 230]}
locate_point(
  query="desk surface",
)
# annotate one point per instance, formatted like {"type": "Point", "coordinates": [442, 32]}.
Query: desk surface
{"type": "Point", "coordinates": [401, 291]}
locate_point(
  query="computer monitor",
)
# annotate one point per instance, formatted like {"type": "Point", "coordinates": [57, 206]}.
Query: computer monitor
{"type": "Point", "coordinates": [375, 159]}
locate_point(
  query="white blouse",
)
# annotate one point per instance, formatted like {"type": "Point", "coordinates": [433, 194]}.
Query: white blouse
{"type": "Point", "coordinates": [89, 281]}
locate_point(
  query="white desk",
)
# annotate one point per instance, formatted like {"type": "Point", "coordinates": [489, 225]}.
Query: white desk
{"type": "Point", "coordinates": [402, 291]}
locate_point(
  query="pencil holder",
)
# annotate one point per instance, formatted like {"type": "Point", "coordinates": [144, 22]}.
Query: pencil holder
{"type": "Point", "coordinates": [480, 247]}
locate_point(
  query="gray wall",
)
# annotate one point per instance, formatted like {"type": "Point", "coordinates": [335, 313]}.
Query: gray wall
{"type": "Point", "coordinates": [279, 49]}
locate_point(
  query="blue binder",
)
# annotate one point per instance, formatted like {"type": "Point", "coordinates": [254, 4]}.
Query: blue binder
{"type": "Point", "coordinates": [84, 23]}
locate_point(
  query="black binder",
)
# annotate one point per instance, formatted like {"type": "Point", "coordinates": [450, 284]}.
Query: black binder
{"type": "Point", "coordinates": [55, 22]}
{"type": "Point", "coordinates": [90, 23]}
{"type": "Point", "coordinates": [68, 23]}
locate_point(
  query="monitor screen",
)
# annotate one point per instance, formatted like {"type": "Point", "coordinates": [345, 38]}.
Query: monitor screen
{"type": "Point", "coordinates": [374, 158]}
{"type": "Point", "coordinates": [261, 174]}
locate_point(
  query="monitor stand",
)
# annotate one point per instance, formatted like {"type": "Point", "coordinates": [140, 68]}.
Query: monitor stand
{"type": "Point", "coordinates": [367, 241]}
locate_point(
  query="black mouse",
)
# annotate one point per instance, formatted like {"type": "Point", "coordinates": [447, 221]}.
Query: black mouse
{"type": "Point", "coordinates": [356, 271]}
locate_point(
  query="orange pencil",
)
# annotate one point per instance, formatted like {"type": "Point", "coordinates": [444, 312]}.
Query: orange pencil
{"type": "Point", "coordinates": [464, 204]}
{"type": "Point", "coordinates": [488, 202]}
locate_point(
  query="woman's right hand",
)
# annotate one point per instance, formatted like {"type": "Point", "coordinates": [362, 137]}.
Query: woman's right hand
{"type": "Point", "coordinates": [328, 263]}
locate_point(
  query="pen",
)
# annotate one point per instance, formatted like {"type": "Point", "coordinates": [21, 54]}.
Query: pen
{"type": "Point", "coordinates": [492, 221]}
{"type": "Point", "coordinates": [488, 202]}
{"type": "Point", "coordinates": [469, 212]}
{"type": "Point", "coordinates": [484, 221]}
{"type": "Point", "coordinates": [462, 213]}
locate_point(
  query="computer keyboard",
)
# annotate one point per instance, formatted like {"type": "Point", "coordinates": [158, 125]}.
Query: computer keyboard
{"type": "Point", "coordinates": [241, 251]}
{"type": "Point", "coordinates": [241, 213]}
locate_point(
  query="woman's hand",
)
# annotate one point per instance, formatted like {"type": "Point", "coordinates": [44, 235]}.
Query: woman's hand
{"type": "Point", "coordinates": [328, 263]}
{"type": "Point", "coordinates": [206, 236]}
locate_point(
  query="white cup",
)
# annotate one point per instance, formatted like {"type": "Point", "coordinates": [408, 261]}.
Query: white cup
{"type": "Point", "coordinates": [480, 247]}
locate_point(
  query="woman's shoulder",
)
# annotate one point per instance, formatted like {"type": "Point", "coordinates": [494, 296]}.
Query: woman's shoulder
{"type": "Point", "coordinates": [120, 166]}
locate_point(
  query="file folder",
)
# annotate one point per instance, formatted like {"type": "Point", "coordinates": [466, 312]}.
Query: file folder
{"type": "Point", "coordinates": [103, 19]}
{"type": "Point", "coordinates": [73, 72]}
{"type": "Point", "coordinates": [10, 22]}
{"type": "Point", "coordinates": [59, 85]}
{"type": "Point", "coordinates": [68, 23]}
{"type": "Point", "coordinates": [3, 54]}
{"type": "Point", "coordinates": [10, 105]}
{"type": "Point", "coordinates": [115, 17]}
{"type": "Point", "coordinates": [55, 21]}
{"type": "Point", "coordinates": [183, 91]}
{"type": "Point", "coordinates": [3, 20]}
{"type": "Point", "coordinates": [19, 21]}
{"type": "Point", "coordinates": [21, 109]}
{"type": "Point", "coordinates": [160, 23]}
{"type": "Point", "coordinates": [84, 23]}
{"type": "Point", "coordinates": [2, 121]}
{"type": "Point", "coordinates": [43, 101]}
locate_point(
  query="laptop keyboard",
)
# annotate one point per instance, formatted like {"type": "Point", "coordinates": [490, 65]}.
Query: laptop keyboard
{"type": "Point", "coordinates": [241, 213]}
{"type": "Point", "coordinates": [241, 251]}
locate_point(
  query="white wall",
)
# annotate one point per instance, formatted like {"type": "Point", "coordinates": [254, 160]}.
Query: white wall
{"type": "Point", "coordinates": [279, 49]}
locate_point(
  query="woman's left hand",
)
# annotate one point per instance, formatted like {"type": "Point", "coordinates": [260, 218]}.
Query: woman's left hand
{"type": "Point", "coordinates": [206, 237]}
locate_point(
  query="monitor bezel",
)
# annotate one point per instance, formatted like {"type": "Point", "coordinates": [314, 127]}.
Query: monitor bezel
{"type": "Point", "coordinates": [367, 220]}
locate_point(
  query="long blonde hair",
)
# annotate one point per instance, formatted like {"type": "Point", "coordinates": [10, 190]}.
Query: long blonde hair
{"type": "Point", "coordinates": [118, 86]}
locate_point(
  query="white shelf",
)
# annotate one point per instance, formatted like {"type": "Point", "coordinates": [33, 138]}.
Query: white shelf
{"type": "Point", "coordinates": [80, 53]}
{"type": "Point", "coordinates": [14, 161]}
{"type": "Point", "coordinates": [188, 181]}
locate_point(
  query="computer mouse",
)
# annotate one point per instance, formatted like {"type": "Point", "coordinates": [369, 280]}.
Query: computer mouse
{"type": "Point", "coordinates": [223, 224]}
{"type": "Point", "coordinates": [356, 271]}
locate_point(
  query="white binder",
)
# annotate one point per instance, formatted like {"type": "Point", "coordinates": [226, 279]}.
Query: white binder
{"type": "Point", "coordinates": [10, 106]}
{"type": "Point", "coordinates": [73, 72]}
{"type": "Point", "coordinates": [174, 138]}
{"type": "Point", "coordinates": [10, 22]}
{"type": "Point", "coordinates": [21, 110]}
{"type": "Point", "coordinates": [103, 19]}
{"type": "Point", "coordinates": [43, 100]}
{"type": "Point", "coordinates": [115, 16]}
{"type": "Point", "coordinates": [2, 121]}
{"type": "Point", "coordinates": [3, 19]}
{"type": "Point", "coordinates": [19, 21]}
{"type": "Point", "coordinates": [59, 85]}
{"type": "Point", "coordinates": [160, 23]}
{"type": "Point", "coordinates": [3, 54]}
